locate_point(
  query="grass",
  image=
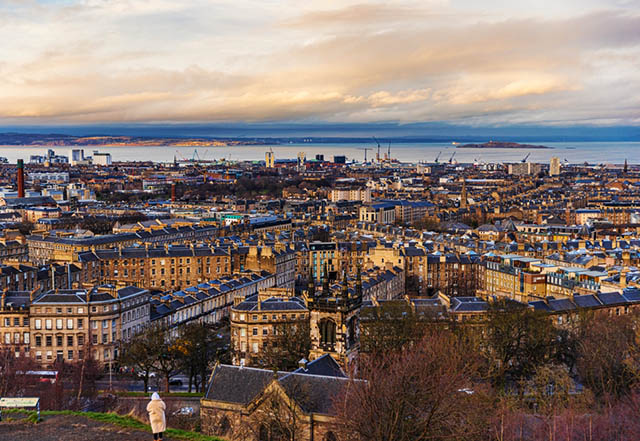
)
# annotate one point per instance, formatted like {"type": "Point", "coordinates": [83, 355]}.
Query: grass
{"type": "Point", "coordinates": [117, 420]}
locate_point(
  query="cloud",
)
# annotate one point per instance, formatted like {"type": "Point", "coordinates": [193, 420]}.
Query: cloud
{"type": "Point", "coordinates": [201, 60]}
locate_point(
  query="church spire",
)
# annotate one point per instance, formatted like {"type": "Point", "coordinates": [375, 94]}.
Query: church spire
{"type": "Point", "coordinates": [345, 286]}
{"type": "Point", "coordinates": [325, 280]}
{"type": "Point", "coordinates": [359, 282]}
{"type": "Point", "coordinates": [311, 283]}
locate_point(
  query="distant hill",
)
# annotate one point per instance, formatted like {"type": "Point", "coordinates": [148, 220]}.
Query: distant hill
{"type": "Point", "coordinates": [502, 145]}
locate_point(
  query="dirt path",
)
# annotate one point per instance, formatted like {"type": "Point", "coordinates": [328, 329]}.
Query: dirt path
{"type": "Point", "coordinates": [69, 428]}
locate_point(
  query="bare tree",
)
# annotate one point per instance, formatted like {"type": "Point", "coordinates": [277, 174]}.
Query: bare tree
{"type": "Point", "coordinates": [422, 392]}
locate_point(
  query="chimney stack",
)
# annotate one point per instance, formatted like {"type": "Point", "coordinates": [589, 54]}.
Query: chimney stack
{"type": "Point", "coordinates": [20, 178]}
{"type": "Point", "coordinates": [173, 192]}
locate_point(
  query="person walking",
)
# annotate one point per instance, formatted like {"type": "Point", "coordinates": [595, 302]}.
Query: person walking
{"type": "Point", "coordinates": [156, 408]}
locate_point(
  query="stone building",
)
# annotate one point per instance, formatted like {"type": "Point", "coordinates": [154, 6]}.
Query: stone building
{"type": "Point", "coordinates": [239, 401]}
{"type": "Point", "coordinates": [256, 319]}
{"type": "Point", "coordinates": [64, 324]}
{"type": "Point", "coordinates": [333, 319]}
{"type": "Point", "coordinates": [168, 267]}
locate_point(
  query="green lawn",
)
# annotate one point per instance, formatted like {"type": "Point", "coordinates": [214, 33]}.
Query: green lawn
{"type": "Point", "coordinates": [115, 419]}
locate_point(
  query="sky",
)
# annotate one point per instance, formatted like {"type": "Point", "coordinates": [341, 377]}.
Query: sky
{"type": "Point", "coordinates": [463, 62]}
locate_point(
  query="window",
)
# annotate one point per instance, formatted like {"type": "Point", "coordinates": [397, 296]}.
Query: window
{"type": "Point", "coordinates": [16, 338]}
{"type": "Point", "coordinates": [105, 338]}
{"type": "Point", "coordinates": [48, 340]}
{"type": "Point", "coordinates": [80, 323]}
{"type": "Point", "coordinates": [58, 323]}
{"type": "Point", "coordinates": [81, 340]}
{"type": "Point", "coordinates": [255, 331]}
{"type": "Point", "coordinates": [69, 323]}
{"type": "Point", "coordinates": [264, 331]}
{"type": "Point", "coordinates": [48, 324]}
{"type": "Point", "coordinates": [243, 332]}
{"type": "Point", "coordinates": [59, 310]}
{"type": "Point", "coordinates": [69, 355]}
{"type": "Point", "coordinates": [38, 323]}
{"type": "Point", "coordinates": [38, 340]}
{"type": "Point", "coordinates": [254, 348]}
{"type": "Point", "coordinates": [26, 338]}
{"type": "Point", "coordinates": [25, 321]}
{"type": "Point", "coordinates": [7, 338]}
{"type": "Point", "coordinates": [69, 340]}
{"type": "Point", "coordinates": [16, 321]}
{"type": "Point", "coordinates": [58, 340]}
{"type": "Point", "coordinates": [80, 310]}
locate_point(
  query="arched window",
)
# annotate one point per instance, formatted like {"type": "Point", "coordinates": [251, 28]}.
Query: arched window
{"type": "Point", "coordinates": [263, 433]}
{"type": "Point", "coordinates": [327, 332]}
{"type": "Point", "coordinates": [225, 425]}
{"type": "Point", "coordinates": [330, 437]}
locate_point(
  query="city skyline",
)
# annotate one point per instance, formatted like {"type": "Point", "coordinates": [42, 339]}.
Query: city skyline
{"type": "Point", "coordinates": [95, 62]}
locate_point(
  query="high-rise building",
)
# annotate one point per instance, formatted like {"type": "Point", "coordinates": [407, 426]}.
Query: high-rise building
{"type": "Point", "coordinates": [554, 166]}
{"type": "Point", "coordinates": [269, 159]}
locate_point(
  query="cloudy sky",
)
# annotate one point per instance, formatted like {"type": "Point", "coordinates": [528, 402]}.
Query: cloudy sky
{"type": "Point", "coordinates": [490, 62]}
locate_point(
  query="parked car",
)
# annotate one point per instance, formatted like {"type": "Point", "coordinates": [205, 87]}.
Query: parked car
{"type": "Point", "coordinates": [186, 411]}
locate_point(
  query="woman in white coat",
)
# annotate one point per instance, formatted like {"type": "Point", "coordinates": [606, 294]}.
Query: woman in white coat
{"type": "Point", "coordinates": [156, 408]}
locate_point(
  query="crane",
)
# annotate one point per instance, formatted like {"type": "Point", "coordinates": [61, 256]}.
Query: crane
{"type": "Point", "coordinates": [525, 158]}
{"type": "Point", "coordinates": [365, 152]}
{"type": "Point", "coordinates": [377, 142]}
{"type": "Point", "coordinates": [451, 158]}
{"type": "Point", "coordinates": [438, 157]}
{"type": "Point", "coordinates": [389, 153]}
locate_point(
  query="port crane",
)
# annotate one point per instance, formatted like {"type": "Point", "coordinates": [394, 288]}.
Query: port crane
{"type": "Point", "coordinates": [365, 152]}
{"type": "Point", "coordinates": [437, 157]}
{"type": "Point", "coordinates": [525, 158]}
{"type": "Point", "coordinates": [378, 154]}
{"type": "Point", "coordinates": [451, 158]}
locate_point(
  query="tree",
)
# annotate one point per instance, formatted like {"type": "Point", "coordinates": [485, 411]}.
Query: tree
{"type": "Point", "coordinates": [198, 346]}
{"type": "Point", "coordinates": [422, 392]}
{"type": "Point", "coordinates": [142, 351]}
{"type": "Point", "coordinates": [608, 354]}
{"type": "Point", "coordinates": [519, 340]}
{"type": "Point", "coordinates": [286, 347]}
{"type": "Point", "coordinates": [13, 378]}
{"type": "Point", "coordinates": [167, 359]}
{"type": "Point", "coordinates": [389, 327]}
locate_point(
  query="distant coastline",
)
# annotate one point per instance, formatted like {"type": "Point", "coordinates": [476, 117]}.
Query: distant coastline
{"type": "Point", "coordinates": [502, 145]}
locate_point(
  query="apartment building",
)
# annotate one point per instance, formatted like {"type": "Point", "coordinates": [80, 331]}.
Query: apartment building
{"type": "Point", "coordinates": [65, 324]}
{"type": "Point", "coordinates": [169, 267]}
{"type": "Point", "coordinates": [257, 318]}
{"type": "Point", "coordinates": [46, 248]}
{"type": "Point", "coordinates": [208, 302]}
{"type": "Point", "coordinates": [350, 194]}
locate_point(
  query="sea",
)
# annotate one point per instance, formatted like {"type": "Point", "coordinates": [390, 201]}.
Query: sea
{"type": "Point", "coordinates": [594, 153]}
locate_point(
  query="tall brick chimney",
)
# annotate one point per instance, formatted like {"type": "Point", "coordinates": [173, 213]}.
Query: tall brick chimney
{"type": "Point", "coordinates": [173, 192]}
{"type": "Point", "coordinates": [20, 178]}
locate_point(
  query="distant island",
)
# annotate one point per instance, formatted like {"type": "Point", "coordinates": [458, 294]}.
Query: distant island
{"type": "Point", "coordinates": [53, 140]}
{"type": "Point", "coordinates": [502, 145]}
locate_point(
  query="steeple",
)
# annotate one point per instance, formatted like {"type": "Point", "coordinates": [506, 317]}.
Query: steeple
{"type": "Point", "coordinates": [463, 194]}
{"type": "Point", "coordinates": [311, 283]}
{"type": "Point", "coordinates": [345, 286]}
{"type": "Point", "coordinates": [359, 281]}
{"type": "Point", "coordinates": [325, 280]}
{"type": "Point", "coordinates": [626, 166]}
